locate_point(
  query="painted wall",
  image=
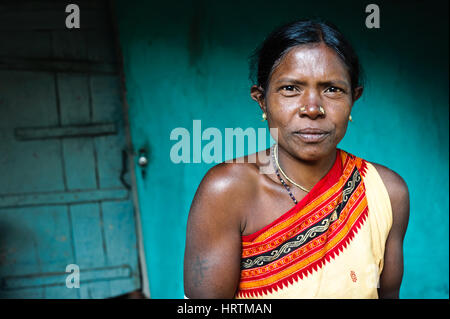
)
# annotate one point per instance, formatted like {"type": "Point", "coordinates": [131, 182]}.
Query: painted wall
{"type": "Point", "coordinates": [188, 61]}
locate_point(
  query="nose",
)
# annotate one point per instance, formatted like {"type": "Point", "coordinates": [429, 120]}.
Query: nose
{"type": "Point", "coordinates": [312, 111]}
{"type": "Point", "coordinates": [310, 105]}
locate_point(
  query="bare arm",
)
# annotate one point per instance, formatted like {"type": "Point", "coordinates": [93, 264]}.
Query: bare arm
{"type": "Point", "coordinates": [391, 277]}
{"type": "Point", "coordinates": [213, 240]}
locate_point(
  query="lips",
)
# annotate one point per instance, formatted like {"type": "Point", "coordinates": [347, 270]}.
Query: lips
{"type": "Point", "coordinates": [311, 135]}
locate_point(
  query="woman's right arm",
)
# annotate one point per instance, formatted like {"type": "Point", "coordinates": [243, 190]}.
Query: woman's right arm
{"type": "Point", "coordinates": [213, 241]}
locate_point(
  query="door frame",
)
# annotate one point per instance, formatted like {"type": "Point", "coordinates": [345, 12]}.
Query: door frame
{"type": "Point", "coordinates": [130, 151]}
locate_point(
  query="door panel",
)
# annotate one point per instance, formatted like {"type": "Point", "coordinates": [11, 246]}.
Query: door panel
{"type": "Point", "coordinates": [36, 92]}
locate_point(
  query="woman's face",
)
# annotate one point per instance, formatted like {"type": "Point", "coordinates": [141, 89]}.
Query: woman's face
{"type": "Point", "coordinates": [309, 80]}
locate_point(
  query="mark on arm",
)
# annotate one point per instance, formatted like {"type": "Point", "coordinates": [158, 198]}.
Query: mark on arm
{"type": "Point", "coordinates": [199, 267]}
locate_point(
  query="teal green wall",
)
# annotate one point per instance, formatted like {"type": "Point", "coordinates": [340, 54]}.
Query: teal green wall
{"type": "Point", "coordinates": [188, 60]}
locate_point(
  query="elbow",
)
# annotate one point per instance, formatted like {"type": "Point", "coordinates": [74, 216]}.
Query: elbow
{"type": "Point", "coordinates": [389, 293]}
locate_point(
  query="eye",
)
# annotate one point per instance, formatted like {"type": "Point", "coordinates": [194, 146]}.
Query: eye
{"type": "Point", "coordinates": [334, 89]}
{"type": "Point", "coordinates": [289, 90]}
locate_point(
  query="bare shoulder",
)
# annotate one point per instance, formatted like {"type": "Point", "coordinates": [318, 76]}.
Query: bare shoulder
{"type": "Point", "coordinates": [230, 179]}
{"type": "Point", "coordinates": [398, 194]}
{"type": "Point", "coordinates": [395, 184]}
{"type": "Point", "coordinates": [227, 179]}
{"type": "Point", "coordinates": [224, 192]}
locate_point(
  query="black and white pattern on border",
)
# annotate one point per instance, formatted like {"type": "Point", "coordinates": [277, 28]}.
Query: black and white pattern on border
{"type": "Point", "coordinates": [308, 234]}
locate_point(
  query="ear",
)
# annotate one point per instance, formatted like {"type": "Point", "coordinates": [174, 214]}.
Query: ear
{"type": "Point", "coordinates": [257, 94]}
{"type": "Point", "coordinates": [357, 92]}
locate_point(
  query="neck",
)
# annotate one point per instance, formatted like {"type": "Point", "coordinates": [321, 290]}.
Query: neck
{"type": "Point", "coordinates": [305, 173]}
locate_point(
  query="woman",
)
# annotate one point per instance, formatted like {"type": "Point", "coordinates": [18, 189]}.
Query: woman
{"type": "Point", "coordinates": [325, 223]}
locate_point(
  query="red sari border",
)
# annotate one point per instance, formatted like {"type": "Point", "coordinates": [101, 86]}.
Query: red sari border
{"type": "Point", "coordinates": [326, 182]}
{"type": "Point", "coordinates": [325, 247]}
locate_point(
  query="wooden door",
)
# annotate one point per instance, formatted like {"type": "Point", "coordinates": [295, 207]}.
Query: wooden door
{"type": "Point", "coordinates": [64, 185]}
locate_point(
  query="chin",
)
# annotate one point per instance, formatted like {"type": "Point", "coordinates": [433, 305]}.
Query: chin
{"type": "Point", "coordinates": [313, 152]}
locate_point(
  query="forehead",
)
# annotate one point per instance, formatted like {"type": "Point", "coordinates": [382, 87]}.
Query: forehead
{"type": "Point", "coordinates": [313, 62]}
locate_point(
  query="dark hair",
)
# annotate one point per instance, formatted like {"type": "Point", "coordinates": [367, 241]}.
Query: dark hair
{"type": "Point", "coordinates": [310, 31]}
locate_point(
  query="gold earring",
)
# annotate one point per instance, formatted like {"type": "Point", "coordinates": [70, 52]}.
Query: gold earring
{"type": "Point", "coordinates": [350, 118]}
{"type": "Point", "coordinates": [303, 108]}
{"type": "Point", "coordinates": [264, 116]}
